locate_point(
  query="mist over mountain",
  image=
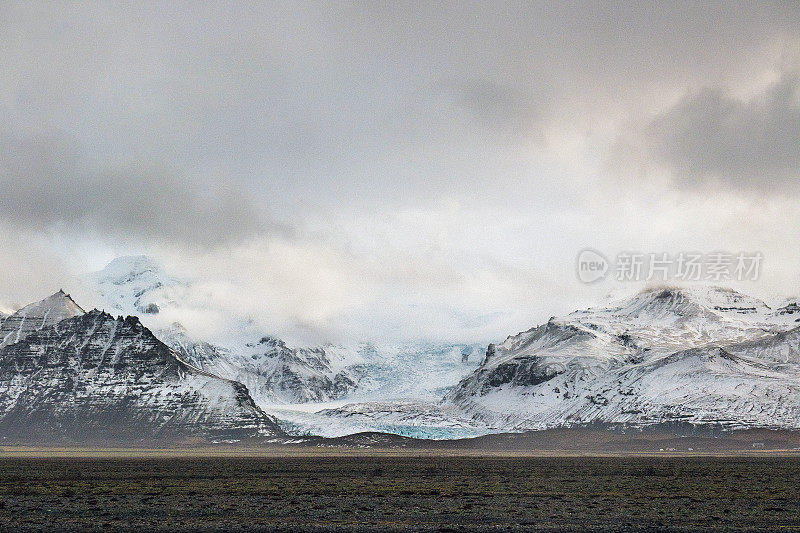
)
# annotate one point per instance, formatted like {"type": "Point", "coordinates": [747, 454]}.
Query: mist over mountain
{"type": "Point", "coordinates": [295, 381]}
{"type": "Point", "coordinates": [667, 356]}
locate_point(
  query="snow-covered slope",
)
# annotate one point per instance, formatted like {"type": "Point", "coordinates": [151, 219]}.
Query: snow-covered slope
{"type": "Point", "coordinates": [700, 355]}
{"type": "Point", "coordinates": [279, 376]}
{"type": "Point", "coordinates": [272, 371]}
{"type": "Point", "coordinates": [339, 390]}
{"type": "Point", "coordinates": [93, 378]}
{"type": "Point", "coordinates": [135, 285]}
{"type": "Point", "coordinates": [36, 316]}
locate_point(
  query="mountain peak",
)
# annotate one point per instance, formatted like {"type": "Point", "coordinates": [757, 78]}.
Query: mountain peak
{"type": "Point", "coordinates": [59, 303]}
{"type": "Point", "coordinates": [134, 284]}
{"type": "Point", "coordinates": [35, 316]}
{"type": "Point", "coordinates": [693, 292]}
{"type": "Point", "coordinates": [699, 355]}
{"type": "Point", "coordinates": [127, 266]}
{"type": "Point", "coordinates": [690, 300]}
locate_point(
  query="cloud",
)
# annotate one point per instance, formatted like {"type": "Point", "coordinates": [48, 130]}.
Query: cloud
{"type": "Point", "coordinates": [296, 157]}
{"type": "Point", "coordinates": [29, 269]}
{"type": "Point", "coordinates": [499, 108]}
{"type": "Point", "coordinates": [47, 180]}
{"type": "Point", "coordinates": [710, 137]}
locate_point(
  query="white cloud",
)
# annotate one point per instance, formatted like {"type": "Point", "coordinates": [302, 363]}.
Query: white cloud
{"type": "Point", "coordinates": [397, 170]}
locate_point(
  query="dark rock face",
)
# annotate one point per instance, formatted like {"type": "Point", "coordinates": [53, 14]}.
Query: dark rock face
{"type": "Point", "coordinates": [521, 372]}
{"type": "Point", "coordinates": [150, 309]}
{"type": "Point", "coordinates": [789, 309]}
{"type": "Point", "coordinates": [490, 351]}
{"type": "Point", "coordinates": [94, 378]}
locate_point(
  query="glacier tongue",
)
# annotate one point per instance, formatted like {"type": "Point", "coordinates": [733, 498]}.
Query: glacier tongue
{"type": "Point", "coordinates": [407, 418]}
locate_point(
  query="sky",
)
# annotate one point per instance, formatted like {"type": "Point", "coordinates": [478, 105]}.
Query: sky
{"type": "Point", "coordinates": [396, 170]}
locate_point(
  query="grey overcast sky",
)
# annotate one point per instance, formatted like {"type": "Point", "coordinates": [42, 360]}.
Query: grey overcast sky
{"type": "Point", "coordinates": [395, 169]}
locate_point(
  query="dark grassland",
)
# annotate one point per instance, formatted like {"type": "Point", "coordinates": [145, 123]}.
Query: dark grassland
{"type": "Point", "coordinates": [400, 493]}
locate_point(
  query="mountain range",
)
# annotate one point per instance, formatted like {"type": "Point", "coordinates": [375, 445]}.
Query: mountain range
{"type": "Point", "coordinates": [667, 356]}
{"type": "Point", "coordinates": [305, 386]}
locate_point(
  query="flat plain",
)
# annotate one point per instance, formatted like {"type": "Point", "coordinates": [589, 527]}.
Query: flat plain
{"type": "Point", "coordinates": [400, 492]}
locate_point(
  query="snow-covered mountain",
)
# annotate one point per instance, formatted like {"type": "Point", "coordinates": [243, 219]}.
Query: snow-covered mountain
{"type": "Point", "coordinates": [135, 285]}
{"type": "Point", "coordinates": [90, 377]}
{"type": "Point", "coordinates": [273, 372]}
{"type": "Point", "coordinates": [333, 391]}
{"type": "Point", "coordinates": [292, 381]}
{"type": "Point", "coordinates": [666, 355]}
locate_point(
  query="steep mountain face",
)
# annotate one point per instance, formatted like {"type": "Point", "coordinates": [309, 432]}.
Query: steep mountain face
{"type": "Point", "coordinates": [273, 372]}
{"type": "Point", "coordinates": [704, 356]}
{"type": "Point", "coordinates": [36, 316]}
{"type": "Point", "coordinates": [94, 378]}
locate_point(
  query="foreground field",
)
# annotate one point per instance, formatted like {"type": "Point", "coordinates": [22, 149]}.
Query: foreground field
{"type": "Point", "coordinates": [399, 493]}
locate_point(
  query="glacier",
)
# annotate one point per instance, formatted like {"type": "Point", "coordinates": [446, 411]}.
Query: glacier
{"type": "Point", "coordinates": [667, 355]}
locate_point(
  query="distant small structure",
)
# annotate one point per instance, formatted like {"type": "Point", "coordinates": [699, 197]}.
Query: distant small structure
{"type": "Point", "coordinates": [758, 445]}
